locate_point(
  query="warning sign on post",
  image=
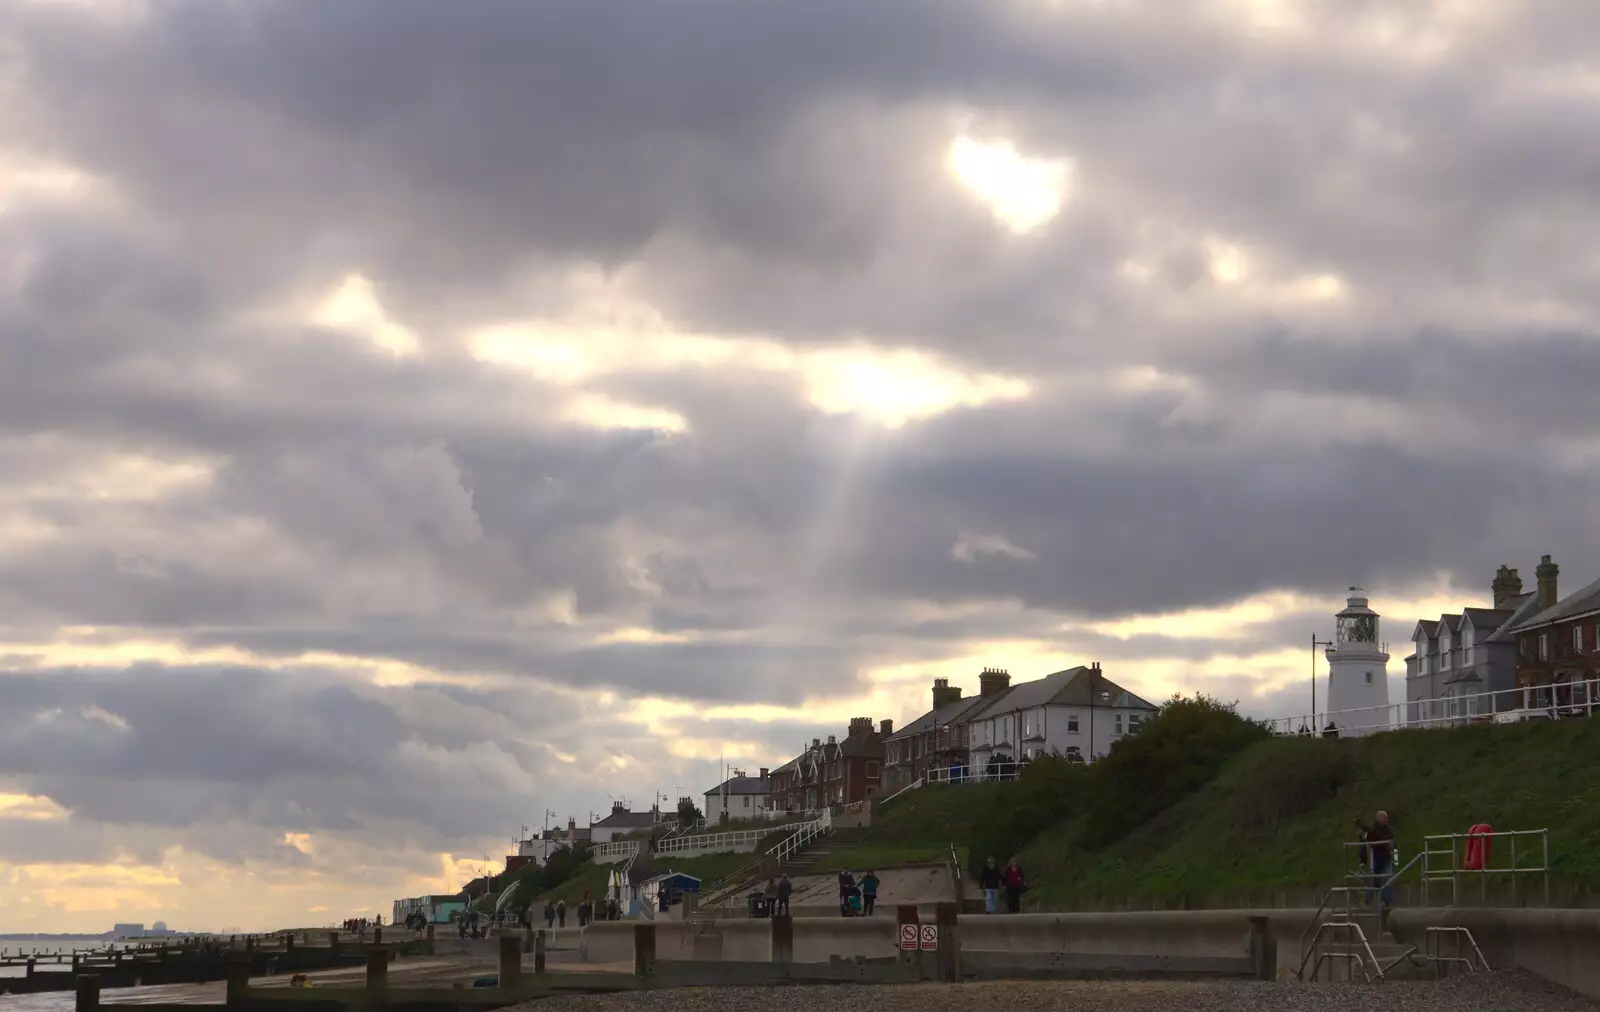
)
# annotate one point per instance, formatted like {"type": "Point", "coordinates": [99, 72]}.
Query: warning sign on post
{"type": "Point", "coordinates": [930, 937]}
{"type": "Point", "coordinates": [908, 937]}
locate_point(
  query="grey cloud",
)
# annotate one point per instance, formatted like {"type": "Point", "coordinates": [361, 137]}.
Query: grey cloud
{"type": "Point", "coordinates": [747, 169]}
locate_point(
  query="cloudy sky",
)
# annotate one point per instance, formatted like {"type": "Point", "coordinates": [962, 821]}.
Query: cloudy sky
{"type": "Point", "coordinates": [415, 417]}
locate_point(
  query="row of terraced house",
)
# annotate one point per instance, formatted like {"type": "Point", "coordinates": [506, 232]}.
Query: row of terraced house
{"type": "Point", "coordinates": [1077, 713]}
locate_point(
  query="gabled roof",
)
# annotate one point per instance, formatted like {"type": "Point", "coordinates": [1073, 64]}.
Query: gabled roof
{"type": "Point", "coordinates": [1427, 626]}
{"type": "Point", "coordinates": [1573, 605]}
{"type": "Point", "coordinates": [954, 713]}
{"type": "Point", "coordinates": [1071, 687]}
{"type": "Point", "coordinates": [1450, 622]}
{"type": "Point", "coordinates": [1521, 607]}
{"type": "Point", "coordinates": [741, 785]}
{"type": "Point", "coordinates": [620, 819]}
{"type": "Point", "coordinates": [1485, 618]}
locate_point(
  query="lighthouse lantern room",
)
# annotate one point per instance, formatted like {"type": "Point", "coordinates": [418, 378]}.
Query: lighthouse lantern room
{"type": "Point", "coordinates": [1358, 671]}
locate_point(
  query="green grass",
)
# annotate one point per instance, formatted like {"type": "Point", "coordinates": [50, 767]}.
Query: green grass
{"type": "Point", "coordinates": [882, 855]}
{"type": "Point", "coordinates": [1275, 816]}
{"type": "Point", "coordinates": [709, 869]}
{"type": "Point", "coordinates": [935, 814]}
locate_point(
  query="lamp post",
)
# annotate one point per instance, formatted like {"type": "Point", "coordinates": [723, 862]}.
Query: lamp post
{"type": "Point", "coordinates": [1315, 643]}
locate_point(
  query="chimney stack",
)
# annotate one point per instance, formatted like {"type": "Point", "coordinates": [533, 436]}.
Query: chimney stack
{"type": "Point", "coordinates": [1507, 584]}
{"type": "Point", "coordinates": [1546, 575]}
{"type": "Point", "coordinates": [763, 773]}
{"type": "Point", "coordinates": [831, 740]}
{"type": "Point", "coordinates": [944, 693]}
{"type": "Point", "coordinates": [617, 806]}
{"type": "Point", "coordinates": [993, 681]}
{"type": "Point", "coordinates": [886, 728]}
{"type": "Point", "coordinates": [817, 742]}
{"type": "Point", "coordinates": [860, 725]}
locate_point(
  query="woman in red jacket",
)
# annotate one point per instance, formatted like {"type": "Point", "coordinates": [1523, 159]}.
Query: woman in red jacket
{"type": "Point", "coordinates": [1016, 884]}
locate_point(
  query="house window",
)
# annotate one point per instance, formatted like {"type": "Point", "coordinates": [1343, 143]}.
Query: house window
{"type": "Point", "coordinates": [1116, 723]}
{"type": "Point", "coordinates": [1072, 721]}
{"type": "Point", "coordinates": [1133, 722]}
{"type": "Point", "coordinates": [1577, 639]}
{"type": "Point", "coordinates": [1467, 639]}
{"type": "Point", "coordinates": [1030, 725]}
{"type": "Point", "coordinates": [747, 801]}
{"type": "Point", "coordinates": [1369, 678]}
{"type": "Point", "coordinates": [1544, 646]}
{"type": "Point", "coordinates": [872, 771]}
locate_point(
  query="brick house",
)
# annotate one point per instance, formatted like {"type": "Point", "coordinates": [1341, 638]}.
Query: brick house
{"type": "Point", "coordinates": [833, 772]}
{"type": "Point", "coordinates": [937, 740]}
{"type": "Point", "coordinates": [1558, 647]}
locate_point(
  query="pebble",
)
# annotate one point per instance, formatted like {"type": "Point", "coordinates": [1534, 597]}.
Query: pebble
{"type": "Point", "coordinates": [1502, 992]}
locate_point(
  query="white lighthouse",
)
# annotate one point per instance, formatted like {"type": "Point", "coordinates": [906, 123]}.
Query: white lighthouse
{"type": "Point", "coordinates": [1358, 671]}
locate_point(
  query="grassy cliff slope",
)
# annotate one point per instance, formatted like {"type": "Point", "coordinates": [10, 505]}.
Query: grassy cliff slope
{"type": "Point", "coordinates": [1274, 817]}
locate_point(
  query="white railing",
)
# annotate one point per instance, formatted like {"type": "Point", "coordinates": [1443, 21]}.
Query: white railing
{"type": "Point", "coordinates": [614, 852]}
{"type": "Point", "coordinates": [744, 839]}
{"type": "Point", "coordinates": [1546, 702]}
{"type": "Point", "coordinates": [803, 837]}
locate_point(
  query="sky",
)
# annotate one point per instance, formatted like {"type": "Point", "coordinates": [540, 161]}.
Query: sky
{"type": "Point", "coordinates": [418, 418]}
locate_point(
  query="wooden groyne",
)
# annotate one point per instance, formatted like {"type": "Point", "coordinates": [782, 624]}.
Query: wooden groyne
{"type": "Point", "coordinates": [196, 960]}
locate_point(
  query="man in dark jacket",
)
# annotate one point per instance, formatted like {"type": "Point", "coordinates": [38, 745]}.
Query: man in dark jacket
{"type": "Point", "coordinates": [1379, 840]}
{"type": "Point", "coordinates": [989, 881]}
{"type": "Point", "coordinates": [785, 887]}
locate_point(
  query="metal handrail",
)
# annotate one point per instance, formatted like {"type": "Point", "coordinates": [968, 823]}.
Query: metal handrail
{"type": "Point", "coordinates": [805, 834]}
{"type": "Point", "coordinates": [1452, 871]}
{"type": "Point", "coordinates": [1430, 946]}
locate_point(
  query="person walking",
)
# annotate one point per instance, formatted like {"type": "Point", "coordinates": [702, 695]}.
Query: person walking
{"type": "Point", "coordinates": [785, 888]}
{"type": "Point", "coordinates": [1016, 884]}
{"type": "Point", "coordinates": [847, 884]}
{"type": "Point", "coordinates": [1379, 840]}
{"type": "Point", "coordinates": [989, 881]}
{"type": "Point", "coordinates": [869, 892]}
{"type": "Point", "coordinates": [561, 913]}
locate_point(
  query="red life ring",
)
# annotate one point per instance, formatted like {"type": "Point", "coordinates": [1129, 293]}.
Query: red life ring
{"type": "Point", "coordinates": [1476, 854]}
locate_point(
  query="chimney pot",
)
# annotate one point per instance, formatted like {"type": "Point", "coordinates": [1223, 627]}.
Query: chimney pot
{"type": "Point", "coordinates": [1546, 577]}
{"type": "Point", "coordinates": [993, 681]}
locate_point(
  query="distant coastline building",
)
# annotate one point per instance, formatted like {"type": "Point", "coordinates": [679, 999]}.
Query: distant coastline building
{"type": "Point", "coordinates": [739, 797]}
{"type": "Point", "coordinates": [1078, 713]}
{"type": "Point", "coordinates": [621, 822]}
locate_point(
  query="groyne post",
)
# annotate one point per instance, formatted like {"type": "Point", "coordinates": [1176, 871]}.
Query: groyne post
{"type": "Point", "coordinates": [1263, 949]}
{"type": "Point", "coordinates": [377, 975]}
{"type": "Point", "coordinates": [947, 958]}
{"type": "Point", "coordinates": [905, 914]}
{"type": "Point", "coordinates": [644, 949]}
{"type": "Point", "coordinates": [783, 939]}
{"type": "Point", "coordinates": [87, 998]}
{"type": "Point", "coordinates": [538, 951]}
{"type": "Point", "coordinates": [430, 940]}
{"type": "Point", "coordinates": [510, 961]}
{"type": "Point", "coordinates": [236, 970]}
